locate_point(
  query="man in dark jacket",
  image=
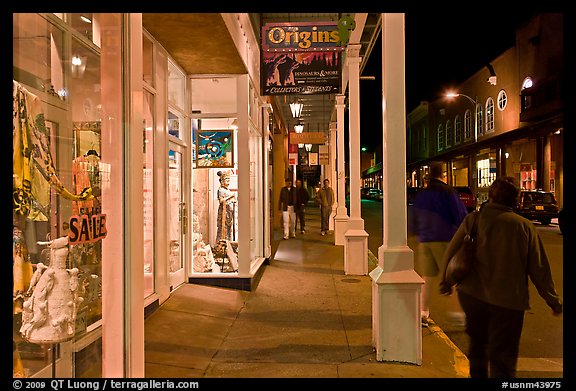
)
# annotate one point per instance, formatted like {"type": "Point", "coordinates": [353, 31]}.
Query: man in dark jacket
{"type": "Point", "coordinates": [286, 204]}
{"type": "Point", "coordinates": [437, 214]}
{"type": "Point", "coordinates": [301, 201]}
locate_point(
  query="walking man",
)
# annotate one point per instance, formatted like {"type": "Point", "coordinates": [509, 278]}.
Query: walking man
{"type": "Point", "coordinates": [302, 199]}
{"type": "Point", "coordinates": [286, 204]}
{"type": "Point", "coordinates": [325, 198]}
{"type": "Point", "coordinates": [437, 214]}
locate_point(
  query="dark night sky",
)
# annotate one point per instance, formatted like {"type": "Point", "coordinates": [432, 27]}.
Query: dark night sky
{"type": "Point", "coordinates": [442, 49]}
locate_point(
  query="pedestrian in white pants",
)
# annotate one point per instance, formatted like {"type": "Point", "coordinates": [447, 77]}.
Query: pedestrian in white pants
{"type": "Point", "coordinates": [286, 204]}
{"type": "Point", "coordinates": [289, 220]}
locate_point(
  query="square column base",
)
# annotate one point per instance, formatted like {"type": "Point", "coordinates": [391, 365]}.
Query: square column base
{"type": "Point", "coordinates": [356, 252]}
{"type": "Point", "coordinates": [340, 228]}
{"type": "Point", "coordinates": [396, 323]}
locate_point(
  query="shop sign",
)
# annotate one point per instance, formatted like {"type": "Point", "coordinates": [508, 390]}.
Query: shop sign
{"type": "Point", "coordinates": [301, 36]}
{"type": "Point", "coordinates": [301, 58]}
{"type": "Point", "coordinates": [323, 155]}
{"type": "Point", "coordinates": [292, 158]}
{"type": "Point", "coordinates": [307, 138]}
{"type": "Point", "coordinates": [313, 158]}
{"type": "Point", "coordinates": [307, 73]}
{"type": "Point", "coordinates": [87, 228]}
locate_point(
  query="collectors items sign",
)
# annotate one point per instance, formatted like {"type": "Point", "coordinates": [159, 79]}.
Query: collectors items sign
{"type": "Point", "coordinates": [301, 58]}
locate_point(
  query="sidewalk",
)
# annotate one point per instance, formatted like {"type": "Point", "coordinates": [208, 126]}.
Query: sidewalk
{"type": "Point", "coordinates": [306, 319]}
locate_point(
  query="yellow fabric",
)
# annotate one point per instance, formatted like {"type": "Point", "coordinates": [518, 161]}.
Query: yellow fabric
{"type": "Point", "coordinates": [33, 166]}
{"type": "Point", "coordinates": [21, 270]}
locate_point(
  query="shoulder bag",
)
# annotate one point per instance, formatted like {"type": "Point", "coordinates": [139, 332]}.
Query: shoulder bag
{"type": "Point", "coordinates": [461, 263]}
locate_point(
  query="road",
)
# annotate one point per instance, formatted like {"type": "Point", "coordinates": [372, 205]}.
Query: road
{"type": "Point", "coordinates": [541, 346]}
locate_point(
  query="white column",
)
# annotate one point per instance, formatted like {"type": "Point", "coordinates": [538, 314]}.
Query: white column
{"type": "Point", "coordinates": [341, 219]}
{"type": "Point", "coordinates": [123, 279]}
{"type": "Point", "coordinates": [243, 148]}
{"type": "Point", "coordinates": [396, 329]}
{"type": "Point", "coordinates": [356, 238]}
{"type": "Point", "coordinates": [331, 174]}
{"type": "Point", "coordinates": [266, 186]}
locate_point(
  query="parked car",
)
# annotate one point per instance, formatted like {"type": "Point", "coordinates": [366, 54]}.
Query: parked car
{"type": "Point", "coordinates": [561, 220]}
{"type": "Point", "coordinates": [365, 192]}
{"type": "Point", "coordinates": [537, 205]}
{"type": "Point", "coordinates": [375, 194]}
{"type": "Point", "coordinates": [467, 197]}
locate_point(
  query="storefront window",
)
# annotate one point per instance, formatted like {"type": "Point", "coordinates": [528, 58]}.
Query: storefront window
{"type": "Point", "coordinates": [486, 171]}
{"type": "Point", "coordinates": [174, 123]}
{"type": "Point", "coordinates": [148, 182]}
{"type": "Point", "coordinates": [176, 86]}
{"type": "Point", "coordinates": [87, 24]}
{"type": "Point", "coordinates": [215, 198]}
{"type": "Point", "coordinates": [256, 191]}
{"type": "Point", "coordinates": [147, 61]}
{"type": "Point", "coordinates": [61, 176]}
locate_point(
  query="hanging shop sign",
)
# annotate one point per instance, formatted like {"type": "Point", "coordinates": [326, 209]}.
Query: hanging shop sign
{"type": "Point", "coordinates": [313, 158]}
{"type": "Point", "coordinates": [323, 155]}
{"type": "Point", "coordinates": [301, 36]}
{"type": "Point", "coordinates": [307, 138]}
{"type": "Point", "coordinates": [301, 58]}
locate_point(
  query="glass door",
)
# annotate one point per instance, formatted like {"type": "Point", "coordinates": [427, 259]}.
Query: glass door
{"type": "Point", "coordinates": [177, 215]}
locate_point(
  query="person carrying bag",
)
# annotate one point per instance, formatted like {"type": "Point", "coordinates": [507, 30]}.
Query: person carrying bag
{"type": "Point", "coordinates": [460, 265]}
{"type": "Point", "coordinates": [494, 293]}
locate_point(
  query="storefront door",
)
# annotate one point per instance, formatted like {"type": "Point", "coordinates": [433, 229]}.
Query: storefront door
{"type": "Point", "coordinates": [177, 215]}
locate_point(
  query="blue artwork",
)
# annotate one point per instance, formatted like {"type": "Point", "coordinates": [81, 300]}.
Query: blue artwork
{"type": "Point", "coordinates": [214, 149]}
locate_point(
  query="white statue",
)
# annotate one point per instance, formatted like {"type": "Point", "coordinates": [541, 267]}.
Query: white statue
{"type": "Point", "coordinates": [202, 252]}
{"type": "Point", "coordinates": [49, 313]}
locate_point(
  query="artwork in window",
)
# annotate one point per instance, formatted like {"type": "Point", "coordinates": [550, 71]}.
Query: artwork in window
{"type": "Point", "coordinates": [214, 148]}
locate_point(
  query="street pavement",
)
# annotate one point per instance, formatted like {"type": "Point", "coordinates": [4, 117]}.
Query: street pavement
{"type": "Point", "coordinates": [305, 319]}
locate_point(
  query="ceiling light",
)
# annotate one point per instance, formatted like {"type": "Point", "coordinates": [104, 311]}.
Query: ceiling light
{"type": "Point", "coordinates": [85, 19]}
{"type": "Point", "coordinates": [296, 109]}
{"type": "Point", "coordinates": [298, 128]}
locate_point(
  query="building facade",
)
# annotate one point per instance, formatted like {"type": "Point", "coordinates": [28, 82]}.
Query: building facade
{"type": "Point", "coordinates": [134, 167]}
{"type": "Point", "coordinates": [506, 119]}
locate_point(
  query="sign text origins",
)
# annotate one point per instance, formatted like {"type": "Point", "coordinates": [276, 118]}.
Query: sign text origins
{"type": "Point", "coordinates": [301, 36]}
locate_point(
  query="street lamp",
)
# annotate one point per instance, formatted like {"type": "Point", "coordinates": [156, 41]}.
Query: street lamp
{"type": "Point", "coordinates": [475, 103]}
{"type": "Point", "coordinates": [296, 109]}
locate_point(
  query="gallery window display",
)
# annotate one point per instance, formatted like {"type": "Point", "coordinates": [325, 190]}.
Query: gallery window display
{"type": "Point", "coordinates": [215, 199]}
{"type": "Point", "coordinates": [59, 178]}
{"type": "Point", "coordinates": [222, 160]}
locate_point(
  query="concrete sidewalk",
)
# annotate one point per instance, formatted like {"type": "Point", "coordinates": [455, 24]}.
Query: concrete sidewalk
{"type": "Point", "coordinates": [306, 319]}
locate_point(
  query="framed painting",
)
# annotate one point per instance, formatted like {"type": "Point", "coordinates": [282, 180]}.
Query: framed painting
{"type": "Point", "coordinates": [215, 149]}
